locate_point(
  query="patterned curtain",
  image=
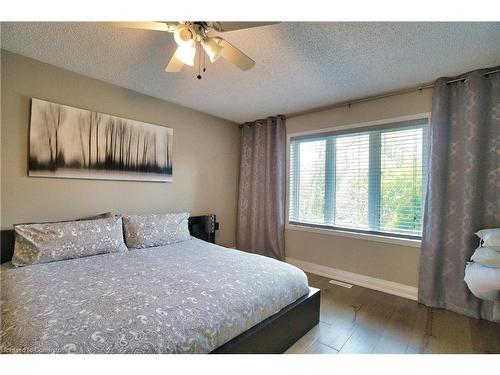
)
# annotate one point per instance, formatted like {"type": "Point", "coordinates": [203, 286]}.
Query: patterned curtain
{"type": "Point", "coordinates": [261, 201]}
{"type": "Point", "coordinates": [463, 194]}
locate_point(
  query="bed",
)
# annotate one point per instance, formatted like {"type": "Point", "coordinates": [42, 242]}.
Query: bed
{"type": "Point", "coordinates": [188, 297]}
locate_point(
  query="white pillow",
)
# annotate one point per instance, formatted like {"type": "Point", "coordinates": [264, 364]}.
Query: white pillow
{"type": "Point", "coordinates": [489, 237]}
{"type": "Point", "coordinates": [487, 256]}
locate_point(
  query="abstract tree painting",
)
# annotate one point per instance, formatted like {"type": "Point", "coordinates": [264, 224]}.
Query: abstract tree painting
{"type": "Point", "coordinates": [70, 142]}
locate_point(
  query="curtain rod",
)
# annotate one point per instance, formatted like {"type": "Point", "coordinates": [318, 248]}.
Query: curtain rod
{"type": "Point", "coordinates": [421, 87]}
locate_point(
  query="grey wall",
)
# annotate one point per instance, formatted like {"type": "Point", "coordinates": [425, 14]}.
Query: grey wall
{"type": "Point", "coordinates": [205, 153]}
{"type": "Point", "coordinates": [391, 262]}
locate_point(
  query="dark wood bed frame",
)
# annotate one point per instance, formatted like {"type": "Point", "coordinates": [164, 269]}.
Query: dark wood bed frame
{"type": "Point", "coordinates": [273, 335]}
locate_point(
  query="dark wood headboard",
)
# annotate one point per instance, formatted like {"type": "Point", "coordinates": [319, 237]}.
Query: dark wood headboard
{"type": "Point", "coordinates": [202, 227]}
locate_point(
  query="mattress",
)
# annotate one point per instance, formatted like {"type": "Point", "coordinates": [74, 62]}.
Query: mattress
{"type": "Point", "coordinates": [188, 297]}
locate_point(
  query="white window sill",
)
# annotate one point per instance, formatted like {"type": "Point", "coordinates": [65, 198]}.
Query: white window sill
{"type": "Point", "coordinates": [355, 235]}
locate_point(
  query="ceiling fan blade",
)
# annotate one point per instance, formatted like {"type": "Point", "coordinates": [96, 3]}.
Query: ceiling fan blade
{"type": "Point", "coordinates": [232, 26]}
{"type": "Point", "coordinates": [234, 55]}
{"type": "Point", "coordinates": [174, 65]}
{"type": "Point", "coordinates": [157, 26]}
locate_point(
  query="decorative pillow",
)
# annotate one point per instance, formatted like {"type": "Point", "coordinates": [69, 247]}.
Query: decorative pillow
{"type": "Point", "coordinates": [489, 237]}
{"type": "Point", "coordinates": [152, 230]}
{"type": "Point", "coordinates": [49, 242]}
{"type": "Point", "coordinates": [487, 256]}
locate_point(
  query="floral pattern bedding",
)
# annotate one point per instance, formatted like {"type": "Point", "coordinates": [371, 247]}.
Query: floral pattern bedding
{"type": "Point", "coordinates": [187, 297]}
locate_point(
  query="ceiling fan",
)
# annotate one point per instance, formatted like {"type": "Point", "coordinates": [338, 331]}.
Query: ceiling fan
{"type": "Point", "coordinates": [188, 35]}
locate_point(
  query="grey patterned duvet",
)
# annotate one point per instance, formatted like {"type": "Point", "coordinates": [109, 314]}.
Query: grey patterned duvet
{"type": "Point", "coordinates": [188, 297]}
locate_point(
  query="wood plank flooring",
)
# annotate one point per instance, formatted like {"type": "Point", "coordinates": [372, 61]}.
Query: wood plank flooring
{"type": "Point", "coordinates": [360, 320]}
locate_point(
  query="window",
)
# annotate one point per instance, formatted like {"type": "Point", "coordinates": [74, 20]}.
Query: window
{"type": "Point", "coordinates": [368, 180]}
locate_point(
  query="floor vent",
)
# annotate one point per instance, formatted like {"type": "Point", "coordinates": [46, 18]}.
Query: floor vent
{"type": "Point", "coordinates": [340, 283]}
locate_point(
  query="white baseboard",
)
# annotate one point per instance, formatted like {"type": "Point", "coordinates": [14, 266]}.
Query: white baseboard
{"type": "Point", "coordinates": [386, 286]}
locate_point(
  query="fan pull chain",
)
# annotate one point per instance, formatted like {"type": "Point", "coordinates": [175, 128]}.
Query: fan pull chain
{"type": "Point", "coordinates": [199, 64]}
{"type": "Point", "coordinates": [204, 66]}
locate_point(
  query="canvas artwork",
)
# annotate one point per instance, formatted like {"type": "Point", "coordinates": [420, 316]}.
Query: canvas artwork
{"type": "Point", "coordinates": [70, 142]}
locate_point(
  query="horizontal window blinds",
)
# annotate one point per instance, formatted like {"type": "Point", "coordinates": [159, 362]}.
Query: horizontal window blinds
{"type": "Point", "coordinates": [367, 180]}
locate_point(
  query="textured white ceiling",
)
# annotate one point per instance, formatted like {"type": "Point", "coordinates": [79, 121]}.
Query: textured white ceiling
{"type": "Point", "coordinates": [299, 65]}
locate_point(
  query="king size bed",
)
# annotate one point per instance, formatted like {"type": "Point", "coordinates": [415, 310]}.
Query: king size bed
{"type": "Point", "coordinates": [186, 297]}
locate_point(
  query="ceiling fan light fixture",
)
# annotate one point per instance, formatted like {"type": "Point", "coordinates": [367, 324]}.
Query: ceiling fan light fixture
{"type": "Point", "coordinates": [186, 54]}
{"type": "Point", "coordinates": [212, 48]}
{"type": "Point", "coordinates": [183, 35]}
{"type": "Point", "coordinates": [187, 35]}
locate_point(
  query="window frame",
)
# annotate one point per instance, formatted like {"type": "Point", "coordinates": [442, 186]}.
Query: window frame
{"type": "Point", "coordinates": [412, 241]}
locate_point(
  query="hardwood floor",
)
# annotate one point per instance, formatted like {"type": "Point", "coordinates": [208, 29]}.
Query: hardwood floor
{"type": "Point", "coordinates": [360, 320]}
